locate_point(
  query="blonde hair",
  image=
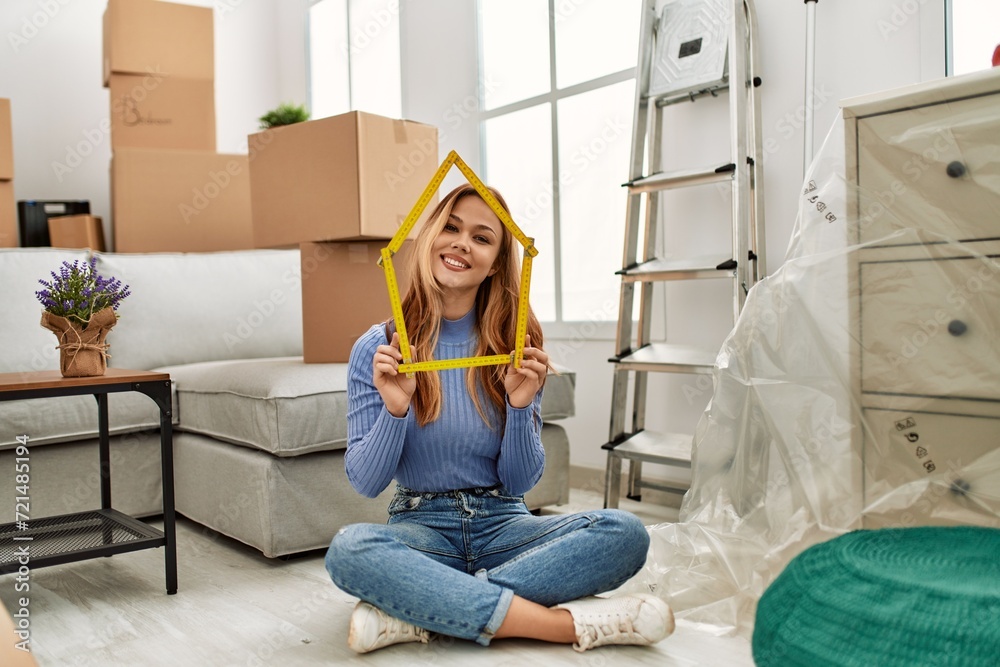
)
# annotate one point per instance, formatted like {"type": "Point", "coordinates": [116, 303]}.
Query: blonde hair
{"type": "Point", "coordinates": [496, 314]}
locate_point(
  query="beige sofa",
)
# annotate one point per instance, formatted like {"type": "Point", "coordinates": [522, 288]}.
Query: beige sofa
{"type": "Point", "coordinates": [259, 436]}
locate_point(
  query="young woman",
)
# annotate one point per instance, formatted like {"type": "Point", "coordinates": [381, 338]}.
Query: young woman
{"type": "Point", "coordinates": [461, 555]}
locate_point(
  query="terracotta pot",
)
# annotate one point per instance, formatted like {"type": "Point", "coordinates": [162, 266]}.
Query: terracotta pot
{"type": "Point", "coordinates": [82, 350]}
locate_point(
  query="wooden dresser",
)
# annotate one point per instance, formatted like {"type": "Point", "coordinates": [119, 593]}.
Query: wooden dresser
{"type": "Point", "coordinates": [923, 180]}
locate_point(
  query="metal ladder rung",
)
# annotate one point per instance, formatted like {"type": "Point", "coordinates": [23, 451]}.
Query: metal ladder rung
{"type": "Point", "coordinates": [672, 449]}
{"type": "Point", "coordinates": [681, 179]}
{"type": "Point", "coordinates": [691, 268]}
{"type": "Point", "coordinates": [666, 99]}
{"type": "Point", "coordinates": [667, 358]}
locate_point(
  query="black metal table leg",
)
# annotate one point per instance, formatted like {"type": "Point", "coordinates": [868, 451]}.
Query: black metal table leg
{"type": "Point", "coordinates": [160, 393]}
{"type": "Point", "coordinates": [105, 449]}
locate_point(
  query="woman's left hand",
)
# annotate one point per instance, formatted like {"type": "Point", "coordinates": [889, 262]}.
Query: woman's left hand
{"type": "Point", "coordinates": [523, 383]}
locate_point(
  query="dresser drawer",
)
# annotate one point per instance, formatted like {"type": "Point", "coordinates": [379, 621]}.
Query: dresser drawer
{"type": "Point", "coordinates": [904, 161]}
{"type": "Point", "coordinates": [950, 463]}
{"type": "Point", "coordinates": [931, 327]}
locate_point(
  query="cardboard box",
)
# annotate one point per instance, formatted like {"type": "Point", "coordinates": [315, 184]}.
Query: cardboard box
{"type": "Point", "coordinates": [33, 218]}
{"type": "Point", "coordinates": [8, 216]}
{"type": "Point", "coordinates": [349, 177]}
{"type": "Point", "coordinates": [77, 231]}
{"type": "Point", "coordinates": [154, 111]}
{"type": "Point", "coordinates": [151, 36]}
{"type": "Point", "coordinates": [179, 201]}
{"type": "Point", "coordinates": [6, 142]}
{"type": "Point", "coordinates": [344, 294]}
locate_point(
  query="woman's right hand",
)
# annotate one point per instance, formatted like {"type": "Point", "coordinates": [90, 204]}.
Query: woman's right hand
{"type": "Point", "coordinates": [394, 387]}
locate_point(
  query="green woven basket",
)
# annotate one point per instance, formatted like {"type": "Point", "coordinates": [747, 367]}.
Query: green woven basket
{"type": "Point", "coordinates": [903, 597]}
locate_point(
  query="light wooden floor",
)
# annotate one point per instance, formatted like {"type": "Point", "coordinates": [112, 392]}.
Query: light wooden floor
{"type": "Point", "coordinates": [235, 607]}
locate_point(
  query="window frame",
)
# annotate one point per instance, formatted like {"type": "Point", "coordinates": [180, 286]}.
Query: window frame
{"type": "Point", "coordinates": [558, 328]}
{"type": "Point", "coordinates": [350, 82]}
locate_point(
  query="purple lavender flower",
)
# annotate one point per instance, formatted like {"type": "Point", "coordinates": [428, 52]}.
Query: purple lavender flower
{"type": "Point", "coordinates": [78, 291]}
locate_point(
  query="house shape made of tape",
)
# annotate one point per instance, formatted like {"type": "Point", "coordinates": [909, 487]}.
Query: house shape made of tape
{"type": "Point", "coordinates": [408, 366]}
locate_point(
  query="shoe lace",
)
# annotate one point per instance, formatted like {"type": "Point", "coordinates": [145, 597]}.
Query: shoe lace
{"type": "Point", "coordinates": [609, 628]}
{"type": "Point", "coordinates": [397, 629]}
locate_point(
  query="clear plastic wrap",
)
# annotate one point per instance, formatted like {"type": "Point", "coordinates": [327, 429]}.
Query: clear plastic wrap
{"type": "Point", "coordinates": [860, 387]}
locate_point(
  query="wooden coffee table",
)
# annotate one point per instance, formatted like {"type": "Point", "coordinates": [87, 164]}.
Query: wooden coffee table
{"type": "Point", "coordinates": [100, 532]}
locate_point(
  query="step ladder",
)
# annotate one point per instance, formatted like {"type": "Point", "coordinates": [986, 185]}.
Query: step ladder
{"type": "Point", "coordinates": [693, 49]}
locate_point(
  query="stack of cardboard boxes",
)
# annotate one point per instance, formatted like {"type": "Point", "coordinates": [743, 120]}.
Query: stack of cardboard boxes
{"type": "Point", "coordinates": [170, 190]}
{"type": "Point", "coordinates": [339, 188]}
{"type": "Point", "coordinates": [8, 217]}
{"type": "Point", "coordinates": [70, 231]}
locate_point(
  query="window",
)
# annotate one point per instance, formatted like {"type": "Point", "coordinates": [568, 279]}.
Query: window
{"type": "Point", "coordinates": [556, 135]}
{"type": "Point", "coordinates": [973, 34]}
{"type": "Point", "coordinates": [354, 57]}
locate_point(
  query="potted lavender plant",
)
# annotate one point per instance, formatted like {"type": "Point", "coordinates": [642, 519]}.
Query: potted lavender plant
{"type": "Point", "coordinates": [79, 308]}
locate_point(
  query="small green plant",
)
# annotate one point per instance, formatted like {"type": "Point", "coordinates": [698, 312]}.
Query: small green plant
{"type": "Point", "coordinates": [284, 114]}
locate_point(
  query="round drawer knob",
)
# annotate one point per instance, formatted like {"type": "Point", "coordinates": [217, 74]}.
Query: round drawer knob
{"type": "Point", "coordinates": [957, 327]}
{"type": "Point", "coordinates": [955, 169]}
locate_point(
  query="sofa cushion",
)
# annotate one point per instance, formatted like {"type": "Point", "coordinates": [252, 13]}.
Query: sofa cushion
{"type": "Point", "coordinates": [559, 396]}
{"type": "Point", "coordinates": [286, 407]}
{"type": "Point", "coordinates": [282, 406]}
{"type": "Point", "coordinates": [24, 344]}
{"type": "Point", "coordinates": [194, 307]}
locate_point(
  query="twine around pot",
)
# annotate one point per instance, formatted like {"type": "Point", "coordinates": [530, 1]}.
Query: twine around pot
{"type": "Point", "coordinates": [82, 350]}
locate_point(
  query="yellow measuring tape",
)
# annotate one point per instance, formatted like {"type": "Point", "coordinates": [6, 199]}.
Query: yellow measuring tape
{"type": "Point", "coordinates": [409, 366]}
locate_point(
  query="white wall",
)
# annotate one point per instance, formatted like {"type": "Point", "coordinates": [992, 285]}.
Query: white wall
{"type": "Point", "coordinates": [50, 68]}
{"type": "Point", "coordinates": [862, 47]}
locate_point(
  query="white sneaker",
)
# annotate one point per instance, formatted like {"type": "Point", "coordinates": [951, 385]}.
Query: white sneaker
{"type": "Point", "coordinates": [372, 628]}
{"type": "Point", "coordinates": [625, 619]}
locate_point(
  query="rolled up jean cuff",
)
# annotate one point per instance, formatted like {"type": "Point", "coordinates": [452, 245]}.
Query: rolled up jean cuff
{"type": "Point", "coordinates": [499, 613]}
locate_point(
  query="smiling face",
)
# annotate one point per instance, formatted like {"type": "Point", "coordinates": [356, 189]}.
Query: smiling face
{"type": "Point", "coordinates": [464, 252]}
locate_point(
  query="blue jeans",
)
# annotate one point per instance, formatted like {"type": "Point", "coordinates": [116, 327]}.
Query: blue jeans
{"type": "Point", "coordinates": [451, 562]}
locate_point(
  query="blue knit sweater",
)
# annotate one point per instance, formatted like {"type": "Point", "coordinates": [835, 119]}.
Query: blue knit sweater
{"type": "Point", "coordinates": [458, 450]}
